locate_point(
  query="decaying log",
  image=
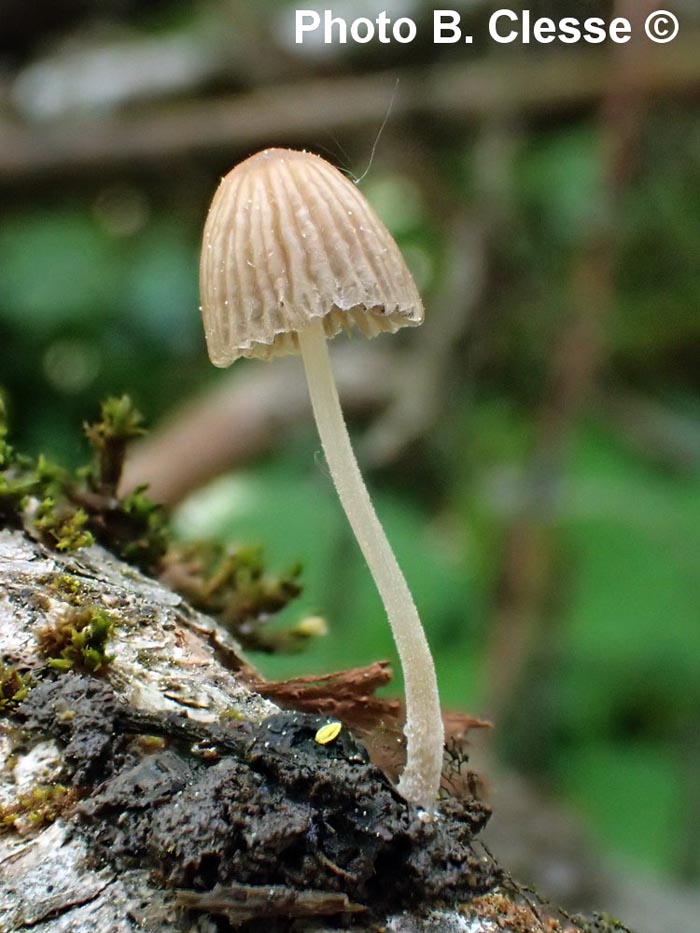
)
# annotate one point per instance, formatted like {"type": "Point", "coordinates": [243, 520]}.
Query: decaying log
{"type": "Point", "coordinates": [172, 676]}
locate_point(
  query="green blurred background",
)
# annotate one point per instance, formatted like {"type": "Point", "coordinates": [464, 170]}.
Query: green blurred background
{"type": "Point", "coordinates": [535, 451]}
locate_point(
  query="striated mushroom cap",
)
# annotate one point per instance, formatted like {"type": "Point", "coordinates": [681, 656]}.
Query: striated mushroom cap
{"type": "Point", "coordinates": [289, 238]}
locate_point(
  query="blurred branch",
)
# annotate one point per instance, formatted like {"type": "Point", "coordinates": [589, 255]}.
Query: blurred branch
{"type": "Point", "coordinates": [422, 377]}
{"type": "Point", "coordinates": [244, 416]}
{"type": "Point", "coordinates": [426, 375]}
{"type": "Point", "coordinates": [529, 582]}
{"type": "Point", "coordinates": [297, 112]}
{"type": "Point", "coordinates": [658, 433]}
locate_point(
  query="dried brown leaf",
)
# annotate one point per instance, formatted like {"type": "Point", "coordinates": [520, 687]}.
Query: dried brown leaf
{"type": "Point", "coordinates": [348, 696]}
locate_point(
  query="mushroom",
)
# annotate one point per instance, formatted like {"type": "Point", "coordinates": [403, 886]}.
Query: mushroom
{"type": "Point", "coordinates": [292, 254]}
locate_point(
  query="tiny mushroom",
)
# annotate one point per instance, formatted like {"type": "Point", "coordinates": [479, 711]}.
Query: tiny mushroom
{"type": "Point", "coordinates": [292, 254]}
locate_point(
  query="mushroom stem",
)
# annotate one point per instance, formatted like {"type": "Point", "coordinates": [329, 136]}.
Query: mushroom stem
{"type": "Point", "coordinates": [420, 781]}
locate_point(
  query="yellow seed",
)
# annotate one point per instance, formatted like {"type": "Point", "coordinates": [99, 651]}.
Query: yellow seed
{"type": "Point", "coordinates": [311, 626]}
{"type": "Point", "coordinates": [328, 732]}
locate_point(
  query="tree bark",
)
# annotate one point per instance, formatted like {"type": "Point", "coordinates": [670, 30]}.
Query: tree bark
{"type": "Point", "coordinates": [166, 660]}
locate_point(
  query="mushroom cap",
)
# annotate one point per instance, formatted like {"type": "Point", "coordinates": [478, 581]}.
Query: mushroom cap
{"type": "Point", "coordinates": [289, 238]}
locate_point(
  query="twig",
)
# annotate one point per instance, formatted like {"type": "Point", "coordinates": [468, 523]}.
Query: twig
{"type": "Point", "coordinates": [526, 586]}
{"type": "Point", "coordinates": [243, 417]}
{"type": "Point", "coordinates": [299, 112]}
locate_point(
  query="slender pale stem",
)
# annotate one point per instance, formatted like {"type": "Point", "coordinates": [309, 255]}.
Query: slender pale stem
{"type": "Point", "coordinates": [420, 780]}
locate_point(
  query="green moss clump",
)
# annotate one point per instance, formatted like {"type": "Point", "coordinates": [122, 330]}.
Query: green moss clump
{"type": "Point", "coordinates": [17, 478]}
{"type": "Point", "coordinates": [77, 641]}
{"type": "Point", "coordinates": [231, 584]}
{"type": "Point", "coordinates": [132, 526]}
{"type": "Point", "coordinates": [65, 527]}
{"type": "Point", "coordinates": [120, 423]}
{"type": "Point", "coordinates": [137, 530]}
{"type": "Point", "coordinates": [13, 687]}
{"type": "Point", "coordinates": [37, 808]}
{"type": "Point", "coordinates": [69, 511]}
{"type": "Point", "coordinates": [599, 923]}
{"type": "Point", "coordinates": [68, 588]}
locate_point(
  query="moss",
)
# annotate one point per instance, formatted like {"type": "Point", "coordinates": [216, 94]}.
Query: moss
{"type": "Point", "coordinates": [231, 715]}
{"type": "Point", "coordinates": [68, 511]}
{"type": "Point", "coordinates": [132, 526]}
{"type": "Point", "coordinates": [56, 520]}
{"type": "Point", "coordinates": [599, 923]}
{"type": "Point", "coordinates": [68, 588]}
{"type": "Point", "coordinates": [120, 423]}
{"type": "Point", "coordinates": [138, 530]}
{"type": "Point", "coordinates": [146, 657]}
{"type": "Point", "coordinates": [77, 641]}
{"type": "Point", "coordinates": [522, 905]}
{"type": "Point", "coordinates": [231, 584]}
{"type": "Point", "coordinates": [14, 687]}
{"type": "Point", "coordinates": [37, 808]}
{"type": "Point", "coordinates": [64, 527]}
{"type": "Point", "coordinates": [17, 479]}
